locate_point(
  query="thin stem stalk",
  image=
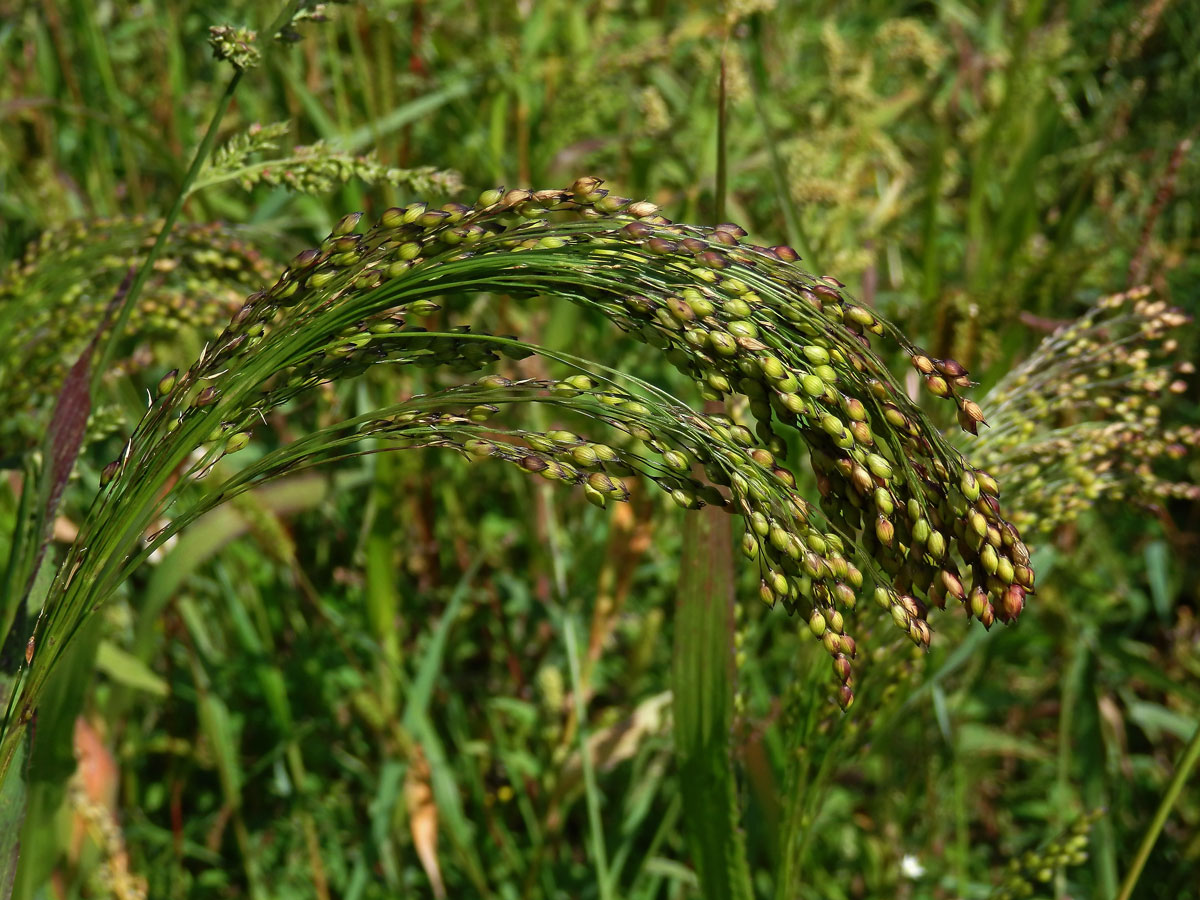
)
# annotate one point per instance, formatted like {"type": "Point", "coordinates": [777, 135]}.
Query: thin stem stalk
{"type": "Point", "coordinates": [1187, 762]}
{"type": "Point", "coordinates": [591, 792]}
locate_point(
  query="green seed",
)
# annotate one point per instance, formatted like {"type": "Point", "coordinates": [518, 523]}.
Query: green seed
{"type": "Point", "coordinates": [759, 523]}
{"type": "Point", "coordinates": [743, 328]}
{"type": "Point", "coordinates": [736, 308]}
{"type": "Point", "coordinates": [685, 498]}
{"type": "Point", "coordinates": [772, 368]}
{"type": "Point", "coordinates": [722, 343]}
{"type": "Point", "coordinates": [346, 224]}
{"type": "Point", "coordinates": [816, 624]}
{"type": "Point", "coordinates": [585, 455]}
{"type": "Point", "coordinates": [766, 594]}
{"type": "Point", "coordinates": [423, 308]}
{"type": "Point", "coordinates": [479, 449]}
{"type": "Point", "coordinates": [921, 531]}
{"type": "Point", "coordinates": [969, 485]}
{"type": "Point", "coordinates": [167, 382]}
{"type": "Point", "coordinates": [494, 382]}
{"type": "Point", "coordinates": [818, 356]}
{"type": "Point", "coordinates": [936, 545]}
{"type": "Point", "coordinates": [879, 466]}
{"type": "Point", "coordinates": [700, 305]}
{"type": "Point", "coordinates": [677, 461]}
{"type": "Point", "coordinates": [749, 546]}
{"type": "Point", "coordinates": [826, 373]}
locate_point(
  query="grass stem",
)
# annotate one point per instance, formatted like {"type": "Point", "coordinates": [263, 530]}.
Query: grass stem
{"type": "Point", "coordinates": [1191, 754]}
{"type": "Point", "coordinates": [595, 822]}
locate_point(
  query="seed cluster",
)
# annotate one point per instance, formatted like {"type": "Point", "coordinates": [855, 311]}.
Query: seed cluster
{"type": "Point", "coordinates": [247, 160]}
{"type": "Point", "coordinates": [901, 515]}
{"type": "Point", "coordinates": [53, 300]}
{"type": "Point", "coordinates": [1037, 867]}
{"type": "Point", "coordinates": [113, 877]}
{"type": "Point", "coordinates": [235, 45]}
{"type": "Point", "coordinates": [1082, 419]}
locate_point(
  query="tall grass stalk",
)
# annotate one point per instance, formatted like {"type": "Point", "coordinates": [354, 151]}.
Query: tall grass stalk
{"type": "Point", "coordinates": [595, 821]}
{"type": "Point", "coordinates": [702, 681]}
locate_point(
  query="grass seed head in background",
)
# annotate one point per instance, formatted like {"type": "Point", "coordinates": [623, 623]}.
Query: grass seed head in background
{"type": "Point", "coordinates": [246, 160]}
{"type": "Point", "coordinates": [1081, 420]}
{"type": "Point", "coordinates": [1040, 866]}
{"type": "Point", "coordinates": [902, 517]}
{"type": "Point", "coordinates": [53, 300]}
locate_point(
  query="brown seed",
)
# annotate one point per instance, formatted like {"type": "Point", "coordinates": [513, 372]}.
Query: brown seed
{"type": "Point", "coordinates": [638, 231]}
{"type": "Point", "coordinates": [1011, 603]}
{"type": "Point", "coordinates": [950, 368]}
{"type": "Point", "coordinates": [586, 184]}
{"type": "Point", "coordinates": [923, 364]}
{"type": "Point", "coordinates": [920, 632]}
{"type": "Point", "coordinates": [953, 585]}
{"type": "Point", "coordinates": [533, 463]}
{"type": "Point", "coordinates": [206, 397]}
{"type": "Point", "coordinates": [642, 209]}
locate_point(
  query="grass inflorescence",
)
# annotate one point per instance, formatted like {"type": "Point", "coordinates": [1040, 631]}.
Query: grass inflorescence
{"type": "Point", "coordinates": [901, 514]}
{"type": "Point", "coordinates": [247, 159]}
{"type": "Point", "coordinates": [1081, 419]}
{"type": "Point", "coordinates": [53, 300]}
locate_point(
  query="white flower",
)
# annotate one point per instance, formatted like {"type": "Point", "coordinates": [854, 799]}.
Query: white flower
{"type": "Point", "coordinates": [910, 867]}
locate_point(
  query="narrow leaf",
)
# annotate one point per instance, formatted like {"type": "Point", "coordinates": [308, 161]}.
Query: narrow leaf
{"type": "Point", "coordinates": [126, 669]}
{"type": "Point", "coordinates": [67, 428]}
{"type": "Point", "coordinates": [703, 683]}
{"type": "Point", "coordinates": [12, 814]}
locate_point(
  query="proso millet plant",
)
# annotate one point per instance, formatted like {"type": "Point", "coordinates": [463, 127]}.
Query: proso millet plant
{"type": "Point", "coordinates": [902, 517]}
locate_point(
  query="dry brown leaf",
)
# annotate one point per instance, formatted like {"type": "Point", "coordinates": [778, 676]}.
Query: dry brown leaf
{"type": "Point", "coordinates": [423, 818]}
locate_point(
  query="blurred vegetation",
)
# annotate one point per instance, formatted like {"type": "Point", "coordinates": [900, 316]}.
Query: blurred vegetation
{"type": "Point", "coordinates": [357, 682]}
